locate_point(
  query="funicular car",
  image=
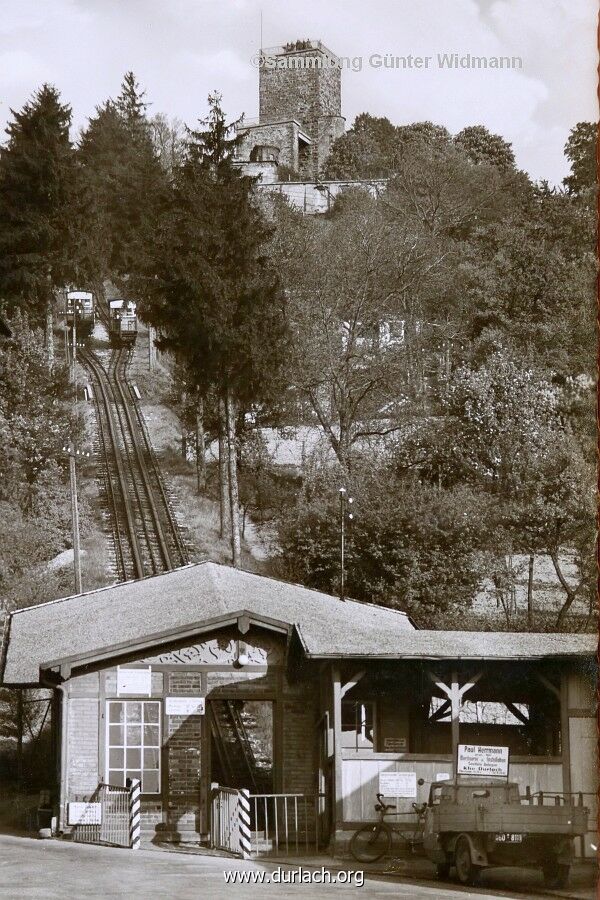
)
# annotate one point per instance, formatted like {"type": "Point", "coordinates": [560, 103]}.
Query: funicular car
{"type": "Point", "coordinates": [80, 310]}
{"type": "Point", "coordinates": [122, 321]}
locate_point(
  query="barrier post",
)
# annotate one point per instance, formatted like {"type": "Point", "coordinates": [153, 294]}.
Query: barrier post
{"type": "Point", "coordinates": [244, 823]}
{"type": "Point", "coordinates": [134, 813]}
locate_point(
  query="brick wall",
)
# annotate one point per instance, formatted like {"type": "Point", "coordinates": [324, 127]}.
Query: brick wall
{"type": "Point", "coordinates": [82, 729]}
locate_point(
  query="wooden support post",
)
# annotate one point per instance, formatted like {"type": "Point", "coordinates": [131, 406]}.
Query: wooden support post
{"type": "Point", "coordinates": [565, 737]}
{"type": "Point", "coordinates": [337, 747]}
{"type": "Point", "coordinates": [20, 727]}
{"type": "Point", "coordinates": [455, 704]}
{"type": "Point", "coordinates": [455, 694]}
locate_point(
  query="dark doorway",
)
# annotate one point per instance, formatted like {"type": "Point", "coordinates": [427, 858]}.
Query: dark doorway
{"type": "Point", "coordinates": [241, 748]}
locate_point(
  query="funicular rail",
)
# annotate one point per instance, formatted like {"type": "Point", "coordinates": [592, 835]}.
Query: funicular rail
{"type": "Point", "coordinates": [165, 524]}
{"type": "Point", "coordinates": [146, 535]}
{"type": "Point", "coordinates": [127, 546]}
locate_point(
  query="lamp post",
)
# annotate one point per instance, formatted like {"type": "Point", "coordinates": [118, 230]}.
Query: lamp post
{"type": "Point", "coordinates": [74, 455]}
{"type": "Point", "coordinates": [345, 502]}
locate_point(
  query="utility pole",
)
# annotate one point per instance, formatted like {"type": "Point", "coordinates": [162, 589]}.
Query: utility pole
{"type": "Point", "coordinates": [345, 501]}
{"type": "Point", "coordinates": [530, 591]}
{"type": "Point", "coordinates": [151, 349]}
{"type": "Point", "coordinates": [73, 455]}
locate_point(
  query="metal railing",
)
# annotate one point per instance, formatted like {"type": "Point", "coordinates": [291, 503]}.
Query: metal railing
{"type": "Point", "coordinates": [555, 798]}
{"type": "Point", "coordinates": [113, 827]}
{"type": "Point", "coordinates": [282, 824]}
{"type": "Point", "coordinates": [224, 820]}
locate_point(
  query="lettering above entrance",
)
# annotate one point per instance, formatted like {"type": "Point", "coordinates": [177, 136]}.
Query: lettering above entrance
{"type": "Point", "coordinates": [263, 651]}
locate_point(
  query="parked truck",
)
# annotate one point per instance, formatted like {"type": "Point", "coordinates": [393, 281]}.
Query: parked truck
{"type": "Point", "coordinates": [473, 825]}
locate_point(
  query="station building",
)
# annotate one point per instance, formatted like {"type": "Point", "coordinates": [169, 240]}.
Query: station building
{"type": "Point", "coordinates": [209, 674]}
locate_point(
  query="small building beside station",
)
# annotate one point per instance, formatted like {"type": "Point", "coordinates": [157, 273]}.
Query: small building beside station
{"type": "Point", "coordinates": [211, 675]}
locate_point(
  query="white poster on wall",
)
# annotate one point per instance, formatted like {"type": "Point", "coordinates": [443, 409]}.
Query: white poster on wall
{"type": "Point", "coordinates": [134, 681]}
{"type": "Point", "coordinates": [184, 706]}
{"type": "Point", "coordinates": [84, 814]}
{"type": "Point", "coordinates": [398, 784]}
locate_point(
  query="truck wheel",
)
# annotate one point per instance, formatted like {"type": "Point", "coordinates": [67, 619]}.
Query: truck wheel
{"type": "Point", "coordinates": [467, 873]}
{"type": "Point", "coordinates": [556, 875]}
{"type": "Point", "coordinates": [443, 870]}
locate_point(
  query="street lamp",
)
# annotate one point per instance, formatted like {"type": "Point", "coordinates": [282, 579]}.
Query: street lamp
{"type": "Point", "coordinates": [74, 455]}
{"type": "Point", "coordinates": [345, 502]}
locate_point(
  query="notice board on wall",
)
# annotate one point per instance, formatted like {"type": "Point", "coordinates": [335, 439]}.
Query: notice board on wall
{"type": "Point", "coordinates": [398, 784]}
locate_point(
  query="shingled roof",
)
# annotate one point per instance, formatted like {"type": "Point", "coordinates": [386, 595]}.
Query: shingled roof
{"type": "Point", "coordinates": [131, 612]}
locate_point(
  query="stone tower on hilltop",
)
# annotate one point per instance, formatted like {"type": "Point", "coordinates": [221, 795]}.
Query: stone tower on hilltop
{"type": "Point", "coordinates": [300, 108]}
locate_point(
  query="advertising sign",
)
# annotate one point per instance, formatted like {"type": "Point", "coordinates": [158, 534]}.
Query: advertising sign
{"type": "Point", "coordinates": [184, 706]}
{"type": "Point", "coordinates": [398, 784]}
{"type": "Point", "coordinates": [475, 759]}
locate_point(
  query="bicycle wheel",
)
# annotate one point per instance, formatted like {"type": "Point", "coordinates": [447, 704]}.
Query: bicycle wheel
{"type": "Point", "coordinates": [370, 842]}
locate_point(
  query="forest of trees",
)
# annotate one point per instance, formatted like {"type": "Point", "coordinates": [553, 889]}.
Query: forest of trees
{"type": "Point", "coordinates": [439, 335]}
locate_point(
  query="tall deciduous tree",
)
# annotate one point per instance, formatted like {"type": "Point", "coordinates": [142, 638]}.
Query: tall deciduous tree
{"type": "Point", "coordinates": [481, 145]}
{"type": "Point", "coordinates": [36, 174]}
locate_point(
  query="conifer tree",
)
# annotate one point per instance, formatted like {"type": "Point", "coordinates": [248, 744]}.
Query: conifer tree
{"type": "Point", "coordinates": [36, 176]}
{"type": "Point", "coordinates": [121, 183]}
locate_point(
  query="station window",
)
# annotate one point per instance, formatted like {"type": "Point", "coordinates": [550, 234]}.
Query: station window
{"type": "Point", "coordinates": [133, 743]}
{"type": "Point", "coordinates": [358, 718]}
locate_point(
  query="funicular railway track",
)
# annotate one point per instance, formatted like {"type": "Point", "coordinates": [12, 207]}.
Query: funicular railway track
{"type": "Point", "coordinates": [145, 533]}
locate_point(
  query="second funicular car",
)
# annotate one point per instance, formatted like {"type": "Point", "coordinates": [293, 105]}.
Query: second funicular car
{"type": "Point", "coordinates": [123, 321]}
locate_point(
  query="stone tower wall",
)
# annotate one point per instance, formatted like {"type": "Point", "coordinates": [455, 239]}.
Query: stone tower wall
{"type": "Point", "coordinates": [310, 95]}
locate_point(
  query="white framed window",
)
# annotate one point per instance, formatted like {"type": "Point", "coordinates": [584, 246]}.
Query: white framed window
{"type": "Point", "coordinates": [133, 743]}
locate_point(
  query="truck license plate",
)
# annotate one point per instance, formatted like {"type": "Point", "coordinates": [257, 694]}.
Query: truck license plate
{"type": "Point", "coordinates": [508, 837]}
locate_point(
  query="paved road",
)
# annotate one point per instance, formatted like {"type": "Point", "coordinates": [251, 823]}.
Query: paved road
{"type": "Point", "coordinates": [45, 870]}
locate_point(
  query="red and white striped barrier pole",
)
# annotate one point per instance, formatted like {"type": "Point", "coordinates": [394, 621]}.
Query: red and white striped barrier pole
{"type": "Point", "coordinates": [244, 823]}
{"type": "Point", "coordinates": [134, 814]}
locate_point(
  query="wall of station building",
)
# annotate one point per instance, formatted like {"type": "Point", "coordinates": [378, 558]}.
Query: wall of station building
{"type": "Point", "coordinates": [179, 810]}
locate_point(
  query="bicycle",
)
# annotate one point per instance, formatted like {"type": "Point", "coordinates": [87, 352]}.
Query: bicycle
{"type": "Point", "coordinates": [372, 841]}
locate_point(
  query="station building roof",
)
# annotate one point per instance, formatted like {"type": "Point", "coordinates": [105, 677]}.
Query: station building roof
{"type": "Point", "coordinates": [198, 597]}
